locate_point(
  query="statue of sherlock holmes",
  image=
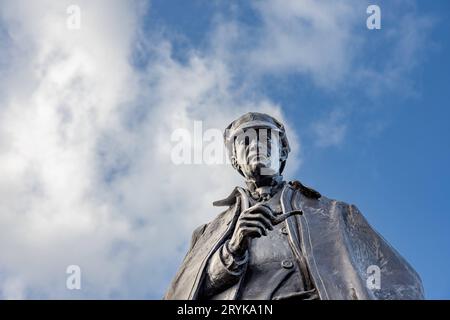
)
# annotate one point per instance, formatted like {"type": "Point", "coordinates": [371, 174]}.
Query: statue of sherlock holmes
{"type": "Point", "coordinates": [283, 240]}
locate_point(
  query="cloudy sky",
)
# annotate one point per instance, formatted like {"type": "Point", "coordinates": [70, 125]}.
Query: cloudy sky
{"type": "Point", "coordinates": [87, 115]}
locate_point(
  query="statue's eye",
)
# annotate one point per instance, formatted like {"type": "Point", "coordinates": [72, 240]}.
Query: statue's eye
{"type": "Point", "coordinates": [242, 141]}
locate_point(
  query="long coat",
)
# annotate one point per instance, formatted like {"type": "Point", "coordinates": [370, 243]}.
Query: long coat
{"type": "Point", "coordinates": [335, 241]}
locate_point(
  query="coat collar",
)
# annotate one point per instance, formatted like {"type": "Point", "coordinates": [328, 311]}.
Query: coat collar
{"type": "Point", "coordinates": [231, 199]}
{"type": "Point", "coordinates": [235, 194]}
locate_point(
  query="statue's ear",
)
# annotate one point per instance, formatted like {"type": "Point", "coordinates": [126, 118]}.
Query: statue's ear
{"type": "Point", "coordinates": [236, 165]}
{"type": "Point", "coordinates": [283, 153]}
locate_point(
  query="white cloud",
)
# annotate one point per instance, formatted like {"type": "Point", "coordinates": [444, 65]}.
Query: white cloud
{"type": "Point", "coordinates": [63, 91]}
{"type": "Point", "coordinates": [320, 40]}
{"type": "Point", "coordinates": [327, 42]}
{"type": "Point", "coordinates": [85, 180]}
{"type": "Point", "coordinates": [403, 51]}
{"type": "Point", "coordinates": [316, 38]}
{"type": "Point", "coordinates": [331, 130]}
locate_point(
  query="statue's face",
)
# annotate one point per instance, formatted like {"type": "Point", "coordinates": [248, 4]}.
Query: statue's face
{"type": "Point", "coordinates": [258, 152]}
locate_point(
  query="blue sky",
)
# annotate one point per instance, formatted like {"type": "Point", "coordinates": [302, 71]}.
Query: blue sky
{"type": "Point", "coordinates": [86, 117]}
{"type": "Point", "coordinates": [393, 161]}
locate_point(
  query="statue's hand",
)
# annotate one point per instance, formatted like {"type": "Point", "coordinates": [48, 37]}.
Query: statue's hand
{"type": "Point", "coordinates": [254, 223]}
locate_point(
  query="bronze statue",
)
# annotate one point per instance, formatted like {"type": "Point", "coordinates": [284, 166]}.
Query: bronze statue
{"type": "Point", "coordinates": [284, 240]}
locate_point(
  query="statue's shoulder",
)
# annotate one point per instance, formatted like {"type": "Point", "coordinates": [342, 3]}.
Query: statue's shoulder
{"type": "Point", "coordinates": [230, 203]}
{"type": "Point", "coordinates": [230, 200]}
{"type": "Point", "coordinates": [305, 190]}
{"type": "Point", "coordinates": [219, 222]}
{"type": "Point", "coordinates": [314, 199]}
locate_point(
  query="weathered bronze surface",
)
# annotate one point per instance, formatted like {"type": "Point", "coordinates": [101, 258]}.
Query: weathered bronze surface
{"type": "Point", "coordinates": [283, 240]}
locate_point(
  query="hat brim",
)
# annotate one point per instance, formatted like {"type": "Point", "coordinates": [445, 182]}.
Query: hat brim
{"type": "Point", "coordinates": [256, 124]}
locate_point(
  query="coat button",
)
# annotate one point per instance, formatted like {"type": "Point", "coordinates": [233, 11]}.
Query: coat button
{"type": "Point", "coordinates": [284, 230]}
{"type": "Point", "coordinates": [287, 264]}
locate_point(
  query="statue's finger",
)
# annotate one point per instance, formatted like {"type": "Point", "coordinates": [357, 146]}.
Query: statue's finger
{"type": "Point", "coordinates": [259, 217]}
{"type": "Point", "coordinates": [254, 224]}
{"type": "Point", "coordinates": [284, 216]}
{"type": "Point", "coordinates": [254, 232]}
{"type": "Point", "coordinates": [260, 208]}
